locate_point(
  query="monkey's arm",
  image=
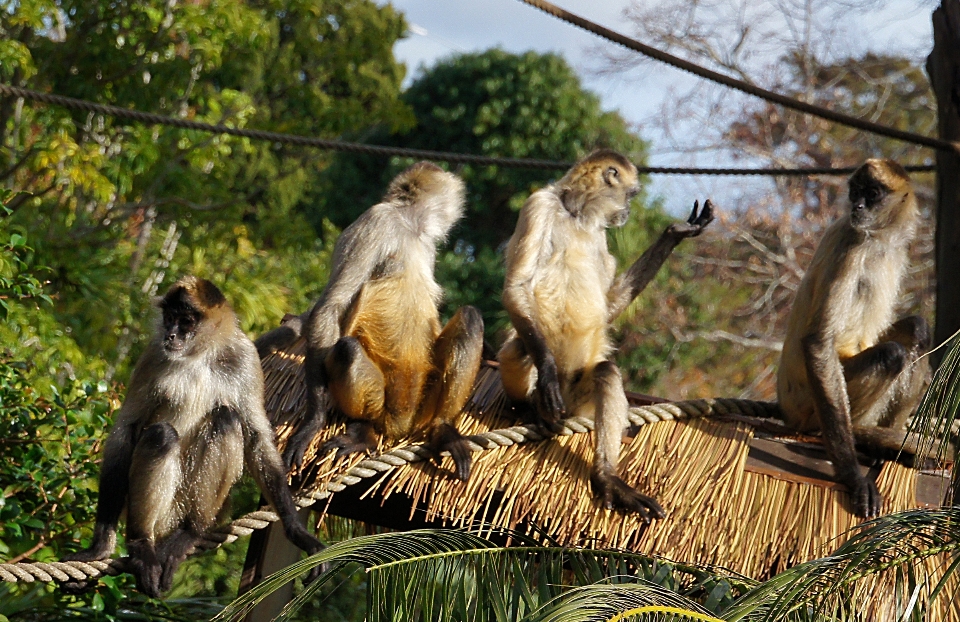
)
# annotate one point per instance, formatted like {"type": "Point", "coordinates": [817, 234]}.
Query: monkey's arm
{"type": "Point", "coordinates": [264, 463]}
{"type": "Point", "coordinates": [825, 375]}
{"type": "Point", "coordinates": [117, 456]}
{"type": "Point", "coordinates": [532, 237]}
{"type": "Point", "coordinates": [282, 336]}
{"type": "Point", "coordinates": [362, 247]}
{"type": "Point", "coordinates": [629, 284]}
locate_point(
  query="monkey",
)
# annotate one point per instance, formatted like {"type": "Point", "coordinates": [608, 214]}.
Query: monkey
{"type": "Point", "coordinates": [375, 345]}
{"type": "Point", "coordinates": [192, 417]}
{"type": "Point", "coordinates": [847, 368]}
{"type": "Point", "coordinates": [562, 292]}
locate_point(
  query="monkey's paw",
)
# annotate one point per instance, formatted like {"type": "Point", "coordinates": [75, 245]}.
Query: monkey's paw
{"type": "Point", "coordinates": [445, 437]}
{"type": "Point", "coordinates": [145, 567]}
{"type": "Point", "coordinates": [696, 223]}
{"type": "Point", "coordinates": [345, 445]}
{"type": "Point", "coordinates": [613, 492]}
{"type": "Point", "coordinates": [865, 497]}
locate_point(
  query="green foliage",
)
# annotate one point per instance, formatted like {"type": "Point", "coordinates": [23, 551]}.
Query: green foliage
{"type": "Point", "coordinates": [450, 575]}
{"type": "Point", "coordinates": [116, 211]}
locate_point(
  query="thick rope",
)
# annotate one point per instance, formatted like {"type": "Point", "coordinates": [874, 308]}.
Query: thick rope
{"type": "Point", "coordinates": [740, 85]}
{"type": "Point", "coordinates": [28, 572]}
{"type": "Point", "coordinates": [148, 118]}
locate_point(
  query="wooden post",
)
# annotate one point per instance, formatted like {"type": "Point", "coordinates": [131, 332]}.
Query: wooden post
{"type": "Point", "coordinates": [943, 67]}
{"type": "Point", "coordinates": [269, 551]}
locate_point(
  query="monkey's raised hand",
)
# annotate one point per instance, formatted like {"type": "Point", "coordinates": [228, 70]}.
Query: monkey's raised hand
{"type": "Point", "coordinates": [696, 223]}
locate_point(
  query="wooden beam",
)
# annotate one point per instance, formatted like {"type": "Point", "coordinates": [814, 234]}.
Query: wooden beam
{"type": "Point", "coordinates": [943, 67]}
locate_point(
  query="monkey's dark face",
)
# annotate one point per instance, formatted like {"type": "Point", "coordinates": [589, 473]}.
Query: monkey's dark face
{"type": "Point", "coordinates": [866, 198]}
{"type": "Point", "coordinates": [180, 322]}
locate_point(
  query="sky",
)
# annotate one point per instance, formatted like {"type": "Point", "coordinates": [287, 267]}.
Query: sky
{"type": "Point", "coordinates": [439, 28]}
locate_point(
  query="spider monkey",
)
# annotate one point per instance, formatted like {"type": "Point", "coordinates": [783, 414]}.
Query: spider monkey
{"type": "Point", "coordinates": [847, 368]}
{"type": "Point", "coordinates": [374, 339]}
{"type": "Point", "coordinates": [562, 292]}
{"type": "Point", "coordinates": [192, 417]}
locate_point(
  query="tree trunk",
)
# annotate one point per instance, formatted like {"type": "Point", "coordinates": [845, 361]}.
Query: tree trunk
{"type": "Point", "coordinates": [943, 67]}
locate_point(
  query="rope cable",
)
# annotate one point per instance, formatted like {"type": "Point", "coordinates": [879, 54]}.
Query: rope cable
{"type": "Point", "coordinates": [28, 572]}
{"type": "Point", "coordinates": [740, 85]}
{"type": "Point", "coordinates": [149, 118]}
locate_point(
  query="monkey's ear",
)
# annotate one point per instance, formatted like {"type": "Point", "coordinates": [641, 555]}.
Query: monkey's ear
{"type": "Point", "coordinates": [611, 175]}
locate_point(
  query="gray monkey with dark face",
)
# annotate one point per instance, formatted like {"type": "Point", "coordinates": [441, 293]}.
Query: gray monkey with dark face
{"type": "Point", "coordinates": [562, 292]}
{"type": "Point", "coordinates": [847, 368]}
{"type": "Point", "coordinates": [192, 417]}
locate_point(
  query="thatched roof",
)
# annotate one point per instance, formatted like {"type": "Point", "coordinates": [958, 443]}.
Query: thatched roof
{"type": "Point", "coordinates": [739, 493]}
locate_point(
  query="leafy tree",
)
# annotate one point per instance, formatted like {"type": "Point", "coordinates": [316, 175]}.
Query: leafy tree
{"type": "Point", "coordinates": [113, 209]}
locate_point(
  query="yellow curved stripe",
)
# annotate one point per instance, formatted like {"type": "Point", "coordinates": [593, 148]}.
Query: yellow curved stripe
{"type": "Point", "coordinates": [692, 615]}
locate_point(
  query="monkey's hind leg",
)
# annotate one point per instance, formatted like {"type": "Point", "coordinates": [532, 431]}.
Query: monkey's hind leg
{"type": "Point", "coordinates": [357, 387]}
{"type": "Point", "coordinates": [883, 384]}
{"type": "Point", "coordinates": [456, 355]}
{"type": "Point", "coordinates": [155, 480]}
{"type": "Point", "coordinates": [216, 464]}
{"type": "Point", "coordinates": [611, 406]}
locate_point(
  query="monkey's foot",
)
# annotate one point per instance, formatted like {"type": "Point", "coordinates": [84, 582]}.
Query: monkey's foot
{"type": "Point", "coordinates": [613, 492]}
{"type": "Point", "coordinates": [359, 436]}
{"type": "Point", "coordinates": [145, 567]}
{"type": "Point", "coordinates": [445, 437]}
{"type": "Point", "coordinates": [865, 497]}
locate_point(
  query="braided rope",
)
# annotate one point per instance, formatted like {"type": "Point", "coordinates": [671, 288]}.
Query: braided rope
{"type": "Point", "coordinates": [29, 572]}
{"type": "Point", "coordinates": [149, 118]}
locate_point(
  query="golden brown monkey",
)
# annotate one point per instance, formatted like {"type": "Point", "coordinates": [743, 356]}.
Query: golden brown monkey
{"type": "Point", "coordinates": [847, 368]}
{"type": "Point", "coordinates": [374, 338]}
{"type": "Point", "coordinates": [562, 292]}
{"type": "Point", "coordinates": [192, 417]}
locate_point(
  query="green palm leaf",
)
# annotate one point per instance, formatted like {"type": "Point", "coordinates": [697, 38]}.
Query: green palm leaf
{"type": "Point", "coordinates": [824, 588]}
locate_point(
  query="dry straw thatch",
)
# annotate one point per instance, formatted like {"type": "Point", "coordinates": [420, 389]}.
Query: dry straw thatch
{"type": "Point", "coordinates": [721, 509]}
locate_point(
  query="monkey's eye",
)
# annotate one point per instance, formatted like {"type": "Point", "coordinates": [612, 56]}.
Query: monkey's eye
{"type": "Point", "coordinates": [873, 194]}
{"type": "Point", "coordinates": [613, 172]}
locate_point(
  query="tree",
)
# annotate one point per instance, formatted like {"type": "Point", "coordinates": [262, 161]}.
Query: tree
{"type": "Point", "coordinates": [112, 208]}
{"type": "Point", "coordinates": [102, 214]}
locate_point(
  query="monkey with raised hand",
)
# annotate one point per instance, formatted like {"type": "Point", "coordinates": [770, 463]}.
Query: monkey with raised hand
{"type": "Point", "coordinates": [847, 368]}
{"type": "Point", "coordinates": [192, 418]}
{"type": "Point", "coordinates": [374, 338]}
{"type": "Point", "coordinates": [562, 292]}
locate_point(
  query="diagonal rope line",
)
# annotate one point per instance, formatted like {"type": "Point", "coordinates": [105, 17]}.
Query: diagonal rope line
{"type": "Point", "coordinates": [740, 85]}
{"type": "Point", "coordinates": [29, 572]}
{"type": "Point", "coordinates": [149, 118]}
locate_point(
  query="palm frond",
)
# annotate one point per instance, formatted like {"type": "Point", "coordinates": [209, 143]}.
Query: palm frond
{"type": "Point", "coordinates": [900, 546]}
{"type": "Point", "coordinates": [641, 601]}
{"type": "Point", "coordinates": [446, 575]}
{"type": "Point", "coordinates": [937, 413]}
